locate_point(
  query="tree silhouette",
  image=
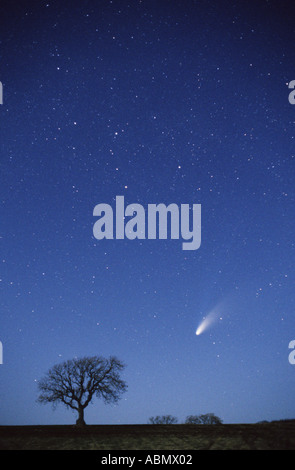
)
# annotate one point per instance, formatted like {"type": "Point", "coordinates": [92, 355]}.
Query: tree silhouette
{"type": "Point", "coordinates": [208, 418]}
{"type": "Point", "coordinates": [76, 382]}
{"type": "Point", "coordinates": [165, 419]}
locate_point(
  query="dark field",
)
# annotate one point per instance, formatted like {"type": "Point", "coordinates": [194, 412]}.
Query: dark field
{"type": "Point", "coordinates": [275, 436]}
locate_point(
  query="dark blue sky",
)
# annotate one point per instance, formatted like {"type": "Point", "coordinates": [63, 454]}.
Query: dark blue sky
{"type": "Point", "coordinates": [180, 102]}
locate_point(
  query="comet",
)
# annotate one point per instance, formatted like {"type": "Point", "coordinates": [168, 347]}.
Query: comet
{"type": "Point", "coordinates": [211, 318]}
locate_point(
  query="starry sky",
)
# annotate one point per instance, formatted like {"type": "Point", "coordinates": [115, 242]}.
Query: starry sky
{"type": "Point", "coordinates": [167, 101]}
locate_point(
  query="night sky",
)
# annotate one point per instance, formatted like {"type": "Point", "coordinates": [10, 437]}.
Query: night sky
{"type": "Point", "coordinates": [178, 101]}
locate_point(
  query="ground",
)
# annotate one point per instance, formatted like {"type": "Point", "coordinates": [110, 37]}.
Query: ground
{"type": "Point", "coordinates": [264, 436]}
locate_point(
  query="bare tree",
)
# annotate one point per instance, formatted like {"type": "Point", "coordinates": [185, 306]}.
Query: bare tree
{"type": "Point", "coordinates": [165, 419]}
{"type": "Point", "coordinates": [76, 382]}
{"type": "Point", "coordinates": [208, 418]}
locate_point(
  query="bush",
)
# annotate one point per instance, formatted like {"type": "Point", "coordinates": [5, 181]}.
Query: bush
{"type": "Point", "coordinates": [208, 418]}
{"type": "Point", "coordinates": [165, 419]}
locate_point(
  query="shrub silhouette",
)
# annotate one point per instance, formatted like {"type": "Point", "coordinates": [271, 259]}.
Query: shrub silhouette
{"type": "Point", "coordinates": [208, 418]}
{"type": "Point", "coordinates": [164, 419]}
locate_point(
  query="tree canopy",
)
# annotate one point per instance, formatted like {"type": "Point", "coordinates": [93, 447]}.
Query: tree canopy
{"type": "Point", "coordinates": [208, 418]}
{"type": "Point", "coordinates": [164, 419]}
{"type": "Point", "coordinates": [76, 382]}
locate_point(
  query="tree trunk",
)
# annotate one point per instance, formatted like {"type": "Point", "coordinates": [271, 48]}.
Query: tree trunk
{"type": "Point", "coordinates": [80, 421]}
